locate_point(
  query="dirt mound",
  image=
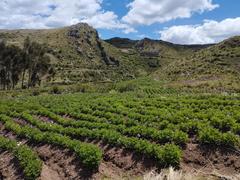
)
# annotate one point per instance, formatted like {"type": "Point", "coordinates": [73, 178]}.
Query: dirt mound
{"type": "Point", "coordinates": [210, 160]}
{"type": "Point", "coordinates": [60, 164]}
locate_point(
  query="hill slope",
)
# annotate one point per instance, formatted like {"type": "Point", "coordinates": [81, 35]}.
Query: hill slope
{"type": "Point", "coordinates": [217, 66]}
{"type": "Point", "coordinates": [79, 55]}
{"type": "Point", "coordinates": [156, 53]}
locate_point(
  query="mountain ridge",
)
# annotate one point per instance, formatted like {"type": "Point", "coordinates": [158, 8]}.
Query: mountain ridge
{"type": "Point", "coordinates": [79, 55]}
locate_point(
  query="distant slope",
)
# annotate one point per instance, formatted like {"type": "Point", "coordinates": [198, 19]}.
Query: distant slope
{"type": "Point", "coordinates": [217, 66]}
{"type": "Point", "coordinates": [156, 53]}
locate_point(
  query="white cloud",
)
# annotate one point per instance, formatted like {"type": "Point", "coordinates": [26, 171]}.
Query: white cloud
{"type": "Point", "coordinates": [57, 13]}
{"type": "Point", "coordinates": [208, 32]}
{"type": "Point", "coordinates": [147, 12]}
{"type": "Point", "coordinates": [108, 20]}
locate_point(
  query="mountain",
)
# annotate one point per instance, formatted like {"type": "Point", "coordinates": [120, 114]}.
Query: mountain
{"type": "Point", "coordinates": [217, 66]}
{"type": "Point", "coordinates": [156, 54]}
{"type": "Point", "coordinates": [79, 55]}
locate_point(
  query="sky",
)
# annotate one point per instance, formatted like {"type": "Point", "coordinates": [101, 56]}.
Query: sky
{"type": "Point", "coordinates": [176, 21]}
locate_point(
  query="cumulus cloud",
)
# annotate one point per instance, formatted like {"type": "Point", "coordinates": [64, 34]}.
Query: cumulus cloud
{"type": "Point", "coordinates": [208, 32]}
{"type": "Point", "coordinates": [147, 12]}
{"type": "Point", "coordinates": [57, 13]}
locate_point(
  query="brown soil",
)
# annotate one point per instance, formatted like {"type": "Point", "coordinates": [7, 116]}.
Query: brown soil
{"type": "Point", "coordinates": [116, 164]}
{"type": "Point", "coordinates": [59, 163]}
{"type": "Point", "coordinates": [196, 159]}
{"type": "Point", "coordinates": [120, 163]}
{"type": "Point", "coordinates": [9, 169]}
{"type": "Point", "coordinates": [210, 160]}
{"type": "Point", "coordinates": [62, 164]}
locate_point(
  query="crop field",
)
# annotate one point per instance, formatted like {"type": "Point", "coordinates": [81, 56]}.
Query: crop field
{"type": "Point", "coordinates": [102, 136]}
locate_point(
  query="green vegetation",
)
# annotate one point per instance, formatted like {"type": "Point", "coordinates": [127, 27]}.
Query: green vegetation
{"type": "Point", "coordinates": [158, 126]}
{"type": "Point", "coordinates": [149, 97]}
{"type": "Point", "coordinates": [28, 160]}
{"type": "Point", "coordinates": [16, 63]}
{"type": "Point", "coordinates": [89, 155]}
{"type": "Point", "coordinates": [212, 68]}
{"type": "Point", "coordinates": [79, 55]}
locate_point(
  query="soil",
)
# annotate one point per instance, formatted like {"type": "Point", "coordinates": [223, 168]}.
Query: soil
{"type": "Point", "coordinates": [210, 160]}
{"type": "Point", "coordinates": [9, 169]}
{"type": "Point", "coordinates": [201, 160]}
{"type": "Point", "coordinates": [119, 163]}
{"type": "Point", "coordinates": [62, 164]}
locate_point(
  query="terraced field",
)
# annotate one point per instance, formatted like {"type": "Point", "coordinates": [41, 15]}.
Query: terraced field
{"type": "Point", "coordinates": [120, 135]}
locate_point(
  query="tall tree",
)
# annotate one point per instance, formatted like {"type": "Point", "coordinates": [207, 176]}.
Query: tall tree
{"type": "Point", "coordinates": [31, 61]}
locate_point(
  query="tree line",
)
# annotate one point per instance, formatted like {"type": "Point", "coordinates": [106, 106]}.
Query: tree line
{"type": "Point", "coordinates": [25, 66]}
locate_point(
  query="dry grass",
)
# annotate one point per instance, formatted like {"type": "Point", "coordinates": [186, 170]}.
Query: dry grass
{"type": "Point", "coordinates": [171, 174]}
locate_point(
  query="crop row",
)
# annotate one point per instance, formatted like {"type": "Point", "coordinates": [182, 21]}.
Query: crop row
{"type": "Point", "coordinates": [143, 112]}
{"type": "Point", "coordinates": [89, 154]}
{"type": "Point", "coordinates": [227, 121]}
{"type": "Point", "coordinates": [206, 134]}
{"type": "Point", "coordinates": [28, 160]}
{"type": "Point", "coordinates": [165, 155]}
{"type": "Point", "coordinates": [164, 136]}
{"type": "Point", "coordinates": [218, 121]}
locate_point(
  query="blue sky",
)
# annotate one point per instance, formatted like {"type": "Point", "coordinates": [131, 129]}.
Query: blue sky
{"type": "Point", "coordinates": [177, 21]}
{"type": "Point", "coordinates": [226, 9]}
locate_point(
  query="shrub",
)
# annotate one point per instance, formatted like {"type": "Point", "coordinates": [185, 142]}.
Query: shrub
{"type": "Point", "coordinates": [55, 90]}
{"type": "Point", "coordinates": [223, 124]}
{"type": "Point", "coordinates": [36, 92]}
{"type": "Point", "coordinates": [128, 87]}
{"type": "Point", "coordinates": [212, 136]}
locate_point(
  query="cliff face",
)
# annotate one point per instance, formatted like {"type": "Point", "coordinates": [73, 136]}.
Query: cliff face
{"type": "Point", "coordinates": [88, 44]}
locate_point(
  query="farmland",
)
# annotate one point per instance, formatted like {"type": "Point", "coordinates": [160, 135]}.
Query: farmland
{"type": "Point", "coordinates": [119, 90]}
{"type": "Point", "coordinates": [113, 135]}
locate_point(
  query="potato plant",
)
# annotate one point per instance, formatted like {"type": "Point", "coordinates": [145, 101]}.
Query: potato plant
{"type": "Point", "coordinates": [27, 158]}
{"type": "Point", "coordinates": [155, 126]}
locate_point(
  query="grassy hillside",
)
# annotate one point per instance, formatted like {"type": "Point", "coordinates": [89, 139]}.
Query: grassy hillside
{"type": "Point", "coordinates": [79, 55]}
{"type": "Point", "coordinates": [155, 53]}
{"type": "Point", "coordinates": [216, 67]}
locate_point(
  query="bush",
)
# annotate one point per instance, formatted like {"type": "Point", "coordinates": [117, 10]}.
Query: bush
{"type": "Point", "coordinates": [36, 92]}
{"type": "Point", "coordinates": [212, 136]}
{"type": "Point", "coordinates": [55, 90]}
{"type": "Point", "coordinates": [236, 129]}
{"type": "Point", "coordinates": [127, 87]}
{"type": "Point", "coordinates": [223, 124]}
